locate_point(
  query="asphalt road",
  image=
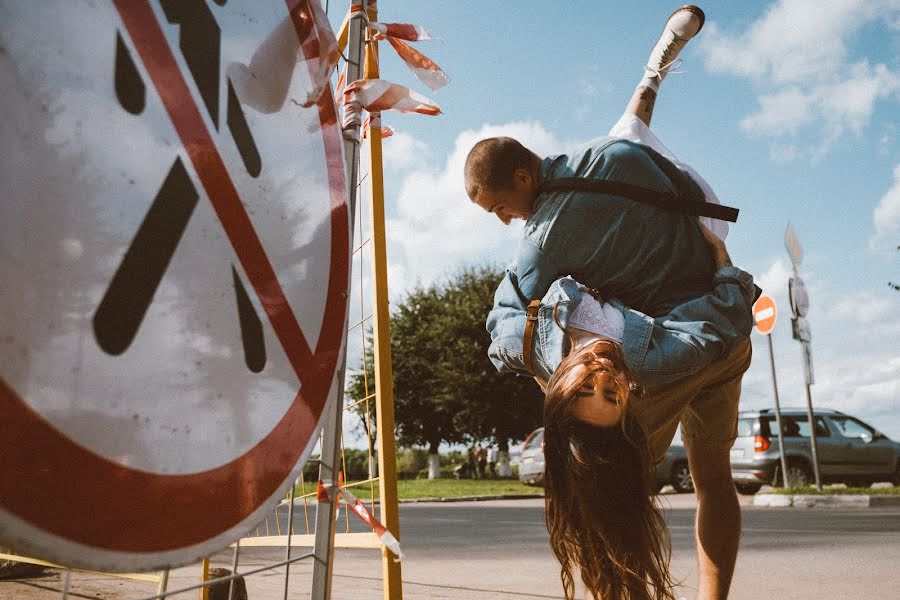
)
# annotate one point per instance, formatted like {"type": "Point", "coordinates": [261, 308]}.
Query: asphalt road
{"type": "Point", "coordinates": [499, 550]}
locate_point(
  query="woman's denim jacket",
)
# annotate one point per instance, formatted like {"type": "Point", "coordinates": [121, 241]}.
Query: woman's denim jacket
{"type": "Point", "coordinates": [658, 351]}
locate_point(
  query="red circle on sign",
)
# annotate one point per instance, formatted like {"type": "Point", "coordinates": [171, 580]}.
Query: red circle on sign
{"type": "Point", "coordinates": [764, 314]}
{"type": "Point", "coordinates": [106, 505]}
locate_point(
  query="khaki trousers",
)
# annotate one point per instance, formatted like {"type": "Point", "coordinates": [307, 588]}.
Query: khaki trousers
{"type": "Point", "coordinates": [706, 405]}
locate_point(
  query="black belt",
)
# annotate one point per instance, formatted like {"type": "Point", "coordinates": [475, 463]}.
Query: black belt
{"type": "Point", "coordinates": [639, 194]}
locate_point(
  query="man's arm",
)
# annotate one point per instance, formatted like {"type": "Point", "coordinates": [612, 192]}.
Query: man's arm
{"type": "Point", "coordinates": [694, 334]}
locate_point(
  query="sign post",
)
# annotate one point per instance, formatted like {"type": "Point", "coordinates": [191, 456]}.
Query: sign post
{"type": "Point", "coordinates": [801, 332]}
{"type": "Point", "coordinates": [764, 316]}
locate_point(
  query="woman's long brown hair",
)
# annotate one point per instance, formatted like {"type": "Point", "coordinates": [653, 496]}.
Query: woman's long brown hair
{"type": "Point", "coordinates": [599, 489]}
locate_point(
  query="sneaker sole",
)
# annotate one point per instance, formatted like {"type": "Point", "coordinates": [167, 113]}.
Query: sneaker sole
{"type": "Point", "coordinates": [696, 10]}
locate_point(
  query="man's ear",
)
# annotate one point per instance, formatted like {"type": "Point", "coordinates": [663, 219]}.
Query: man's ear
{"type": "Point", "coordinates": [524, 177]}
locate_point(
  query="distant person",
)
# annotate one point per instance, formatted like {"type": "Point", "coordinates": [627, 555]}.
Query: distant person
{"type": "Point", "coordinates": [481, 458]}
{"type": "Point", "coordinates": [492, 460]}
{"type": "Point", "coordinates": [473, 463]}
{"type": "Point", "coordinates": [602, 436]}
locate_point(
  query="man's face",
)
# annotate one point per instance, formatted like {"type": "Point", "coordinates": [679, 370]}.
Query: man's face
{"type": "Point", "coordinates": [513, 203]}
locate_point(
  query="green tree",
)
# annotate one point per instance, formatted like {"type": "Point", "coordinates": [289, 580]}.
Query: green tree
{"type": "Point", "coordinates": [445, 388]}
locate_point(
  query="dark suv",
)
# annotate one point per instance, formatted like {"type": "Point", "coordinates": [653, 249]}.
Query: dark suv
{"type": "Point", "coordinates": [849, 450]}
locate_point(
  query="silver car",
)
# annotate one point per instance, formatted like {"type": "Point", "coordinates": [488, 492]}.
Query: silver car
{"type": "Point", "coordinates": [849, 450]}
{"type": "Point", "coordinates": [673, 469]}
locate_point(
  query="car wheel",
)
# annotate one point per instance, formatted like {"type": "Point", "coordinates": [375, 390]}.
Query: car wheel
{"type": "Point", "coordinates": [799, 475]}
{"type": "Point", "coordinates": [748, 489]}
{"type": "Point", "coordinates": [681, 478]}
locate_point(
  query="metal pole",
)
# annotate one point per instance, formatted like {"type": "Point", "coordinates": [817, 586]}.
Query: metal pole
{"type": "Point", "coordinates": [384, 384]}
{"type": "Point", "coordinates": [784, 469]}
{"type": "Point", "coordinates": [329, 466]}
{"type": "Point", "coordinates": [234, 568]}
{"type": "Point", "coordinates": [163, 584]}
{"type": "Point", "coordinates": [65, 587]}
{"type": "Point", "coordinates": [290, 532]}
{"type": "Point", "coordinates": [814, 446]}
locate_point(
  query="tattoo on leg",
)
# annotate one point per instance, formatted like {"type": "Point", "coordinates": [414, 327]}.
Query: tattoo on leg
{"type": "Point", "coordinates": [645, 104]}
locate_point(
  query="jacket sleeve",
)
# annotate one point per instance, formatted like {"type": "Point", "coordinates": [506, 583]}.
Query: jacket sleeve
{"type": "Point", "coordinates": [506, 324]}
{"type": "Point", "coordinates": [694, 334]}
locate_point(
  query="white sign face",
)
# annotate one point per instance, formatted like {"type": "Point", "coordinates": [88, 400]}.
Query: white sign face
{"type": "Point", "coordinates": [174, 254]}
{"type": "Point", "coordinates": [799, 296]}
{"type": "Point", "coordinates": [792, 244]}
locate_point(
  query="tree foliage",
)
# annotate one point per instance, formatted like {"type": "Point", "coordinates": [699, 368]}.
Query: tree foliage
{"type": "Point", "coordinates": [445, 387]}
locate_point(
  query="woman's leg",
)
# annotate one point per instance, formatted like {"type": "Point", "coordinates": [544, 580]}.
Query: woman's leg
{"type": "Point", "coordinates": [682, 25]}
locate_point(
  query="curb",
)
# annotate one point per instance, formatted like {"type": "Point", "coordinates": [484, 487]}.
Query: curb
{"type": "Point", "coordinates": [825, 501]}
{"type": "Point", "coordinates": [471, 498]}
{"type": "Point", "coordinates": [299, 501]}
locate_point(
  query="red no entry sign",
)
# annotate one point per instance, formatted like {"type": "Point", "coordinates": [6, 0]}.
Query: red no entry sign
{"type": "Point", "coordinates": [764, 314]}
{"type": "Point", "coordinates": [174, 271]}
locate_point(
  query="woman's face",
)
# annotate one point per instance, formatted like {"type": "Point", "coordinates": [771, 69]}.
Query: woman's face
{"type": "Point", "coordinates": [600, 400]}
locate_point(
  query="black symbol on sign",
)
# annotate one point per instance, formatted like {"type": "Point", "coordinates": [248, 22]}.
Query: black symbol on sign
{"type": "Point", "coordinates": [135, 282]}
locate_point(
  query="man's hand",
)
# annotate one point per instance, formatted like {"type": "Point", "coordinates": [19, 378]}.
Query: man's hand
{"type": "Point", "coordinates": [720, 253]}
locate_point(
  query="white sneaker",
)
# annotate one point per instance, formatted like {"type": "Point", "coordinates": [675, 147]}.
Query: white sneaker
{"type": "Point", "coordinates": [682, 25]}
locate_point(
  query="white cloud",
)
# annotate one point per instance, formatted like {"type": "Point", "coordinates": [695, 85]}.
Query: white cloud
{"type": "Point", "coordinates": [783, 153]}
{"type": "Point", "coordinates": [781, 112]}
{"type": "Point", "coordinates": [887, 216]}
{"type": "Point", "coordinates": [774, 281]}
{"type": "Point", "coordinates": [796, 55]}
{"type": "Point", "coordinates": [864, 308]}
{"type": "Point", "coordinates": [436, 228]}
{"type": "Point", "coordinates": [795, 40]}
{"type": "Point", "coordinates": [403, 151]}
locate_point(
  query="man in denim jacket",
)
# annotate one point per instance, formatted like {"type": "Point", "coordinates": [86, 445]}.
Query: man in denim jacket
{"type": "Point", "coordinates": [652, 260]}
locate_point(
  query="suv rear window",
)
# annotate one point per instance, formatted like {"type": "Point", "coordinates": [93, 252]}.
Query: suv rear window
{"type": "Point", "coordinates": [745, 427]}
{"type": "Point", "coordinates": [534, 441]}
{"type": "Point", "coordinates": [793, 426]}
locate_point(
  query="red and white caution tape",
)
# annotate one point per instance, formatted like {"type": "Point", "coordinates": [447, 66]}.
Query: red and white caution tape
{"type": "Point", "coordinates": [328, 492]}
{"type": "Point", "coordinates": [378, 94]}
{"type": "Point", "coordinates": [320, 50]}
{"type": "Point", "coordinates": [425, 69]}
{"type": "Point", "coordinates": [373, 121]}
{"type": "Point", "coordinates": [401, 31]}
{"type": "Point", "coordinates": [303, 35]}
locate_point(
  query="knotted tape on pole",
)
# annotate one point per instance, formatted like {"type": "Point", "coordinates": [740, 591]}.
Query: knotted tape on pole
{"type": "Point", "coordinates": [327, 491]}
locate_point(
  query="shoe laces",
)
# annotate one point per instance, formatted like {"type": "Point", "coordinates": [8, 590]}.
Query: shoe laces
{"type": "Point", "coordinates": [670, 68]}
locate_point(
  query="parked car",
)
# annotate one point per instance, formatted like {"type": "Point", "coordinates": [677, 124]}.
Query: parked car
{"type": "Point", "coordinates": [849, 450]}
{"type": "Point", "coordinates": [673, 470]}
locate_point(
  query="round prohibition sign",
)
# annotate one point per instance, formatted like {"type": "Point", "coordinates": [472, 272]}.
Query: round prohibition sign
{"type": "Point", "coordinates": [764, 314]}
{"type": "Point", "coordinates": [110, 463]}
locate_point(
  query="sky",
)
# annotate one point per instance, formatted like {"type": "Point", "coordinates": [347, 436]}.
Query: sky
{"type": "Point", "coordinates": [790, 109]}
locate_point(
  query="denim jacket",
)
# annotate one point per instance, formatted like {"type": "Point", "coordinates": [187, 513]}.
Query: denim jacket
{"type": "Point", "coordinates": [658, 351]}
{"type": "Point", "coordinates": [649, 258]}
{"type": "Point", "coordinates": [653, 261]}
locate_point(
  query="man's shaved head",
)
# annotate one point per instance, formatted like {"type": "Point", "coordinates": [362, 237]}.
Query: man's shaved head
{"type": "Point", "coordinates": [492, 162]}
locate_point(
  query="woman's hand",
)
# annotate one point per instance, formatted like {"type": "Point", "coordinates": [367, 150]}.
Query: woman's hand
{"type": "Point", "coordinates": [720, 253]}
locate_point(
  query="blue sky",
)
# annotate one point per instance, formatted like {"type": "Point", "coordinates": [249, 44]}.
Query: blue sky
{"type": "Point", "coordinates": [790, 109]}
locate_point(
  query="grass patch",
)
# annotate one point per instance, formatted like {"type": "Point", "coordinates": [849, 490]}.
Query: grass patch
{"type": "Point", "coordinates": [450, 488]}
{"type": "Point", "coordinates": [453, 488]}
{"type": "Point", "coordinates": [839, 490]}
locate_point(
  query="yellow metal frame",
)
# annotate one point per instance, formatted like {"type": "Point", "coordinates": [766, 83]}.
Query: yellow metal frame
{"type": "Point", "coordinates": [384, 381]}
{"type": "Point", "coordinates": [159, 579]}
